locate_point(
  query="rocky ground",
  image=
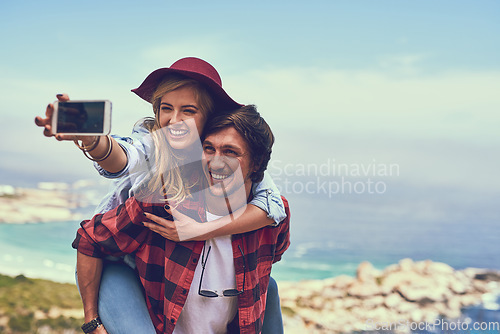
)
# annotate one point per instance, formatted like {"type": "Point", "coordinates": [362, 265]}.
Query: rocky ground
{"type": "Point", "coordinates": [373, 301]}
{"type": "Point", "coordinates": [36, 205]}
{"type": "Point", "coordinates": [417, 292]}
{"type": "Point", "coordinates": [404, 293]}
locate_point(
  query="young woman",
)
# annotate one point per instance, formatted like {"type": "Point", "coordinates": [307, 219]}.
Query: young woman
{"type": "Point", "coordinates": [160, 154]}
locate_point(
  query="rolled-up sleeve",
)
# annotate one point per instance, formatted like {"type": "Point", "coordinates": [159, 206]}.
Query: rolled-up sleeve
{"type": "Point", "coordinates": [116, 232]}
{"type": "Point", "coordinates": [136, 147]}
{"type": "Point", "coordinates": [283, 240]}
{"type": "Point", "coordinates": [267, 197]}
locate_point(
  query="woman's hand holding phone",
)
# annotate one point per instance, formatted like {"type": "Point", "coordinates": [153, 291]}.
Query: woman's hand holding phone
{"type": "Point", "coordinates": [46, 123]}
{"type": "Point", "coordinates": [76, 120]}
{"type": "Point", "coordinates": [87, 121]}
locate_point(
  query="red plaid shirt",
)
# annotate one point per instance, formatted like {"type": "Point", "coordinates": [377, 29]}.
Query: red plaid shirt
{"type": "Point", "coordinates": [166, 268]}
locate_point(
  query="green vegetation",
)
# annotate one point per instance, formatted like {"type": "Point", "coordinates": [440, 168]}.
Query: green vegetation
{"type": "Point", "coordinates": [27, 305]}
{"type": "Point", "coordinates": [288, 311]}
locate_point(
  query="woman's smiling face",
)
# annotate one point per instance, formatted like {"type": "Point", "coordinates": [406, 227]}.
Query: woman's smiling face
{"type": "Point", "coordinates": [181, 117]}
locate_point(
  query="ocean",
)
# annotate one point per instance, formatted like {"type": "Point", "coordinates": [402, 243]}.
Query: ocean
{"type": "Point", "coordinates": [329, 237]}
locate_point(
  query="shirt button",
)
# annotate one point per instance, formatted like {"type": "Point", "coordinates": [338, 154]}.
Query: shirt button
{"type": "Point", "coordinates": [172, 320]}
{"type": "Point", "coordinates": [184, 291]}
{"type": "Point", "coordinates": [195, 260]}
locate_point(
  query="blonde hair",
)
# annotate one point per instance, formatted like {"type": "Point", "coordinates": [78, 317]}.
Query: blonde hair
{"type": "Point", "coordinates": [167, 175]}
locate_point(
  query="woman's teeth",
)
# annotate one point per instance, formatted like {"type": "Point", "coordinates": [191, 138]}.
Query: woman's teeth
{"type": "Point", "coordinates": [177, 132]}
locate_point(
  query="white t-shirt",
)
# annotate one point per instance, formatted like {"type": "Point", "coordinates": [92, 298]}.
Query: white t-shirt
{"type": "Point", "coordinates": [204, 314]}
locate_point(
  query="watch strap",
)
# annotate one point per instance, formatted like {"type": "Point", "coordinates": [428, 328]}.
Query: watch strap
{"type": "Point", "coordinates": [92, 325]}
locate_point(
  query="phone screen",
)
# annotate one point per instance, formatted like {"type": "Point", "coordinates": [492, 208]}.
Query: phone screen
{"type": "Point", "coordinates": [80, 117]}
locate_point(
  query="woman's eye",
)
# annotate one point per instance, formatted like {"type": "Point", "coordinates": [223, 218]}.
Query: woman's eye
{"type": "Point", "coordinates": [165, 109]}
{"type": "Point", "coordinates": [190, 111]}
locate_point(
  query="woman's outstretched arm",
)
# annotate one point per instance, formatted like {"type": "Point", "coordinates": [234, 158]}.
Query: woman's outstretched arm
{"type": "Point", "coordinates": [115, 161]}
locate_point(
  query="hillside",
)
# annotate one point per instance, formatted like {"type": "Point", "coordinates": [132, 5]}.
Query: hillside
{"type": "Point", "coordinates": [38, 306]}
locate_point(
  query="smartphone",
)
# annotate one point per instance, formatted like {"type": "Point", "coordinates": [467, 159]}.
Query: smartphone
{"type": "Point", "coordinates": [82, 117]}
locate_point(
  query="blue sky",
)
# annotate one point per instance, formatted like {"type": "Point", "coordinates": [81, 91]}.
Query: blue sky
{"type": "Point", "coordinates": [413, 83]}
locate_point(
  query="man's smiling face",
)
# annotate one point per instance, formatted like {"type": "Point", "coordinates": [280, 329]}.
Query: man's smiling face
{"type": "Point", "coordinates": [227, 163]}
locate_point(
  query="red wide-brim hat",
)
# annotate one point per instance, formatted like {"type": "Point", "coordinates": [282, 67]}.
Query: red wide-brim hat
{"type": "Point", "coordinates": [193, 68]}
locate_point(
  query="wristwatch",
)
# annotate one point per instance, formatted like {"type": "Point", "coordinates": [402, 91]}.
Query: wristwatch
{"type": "Point", "coordinates": [92, 325]}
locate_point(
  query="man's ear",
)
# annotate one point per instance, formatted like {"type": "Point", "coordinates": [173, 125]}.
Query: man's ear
{"type": "Point", "coordinates": [255, 168]}
{"type": "Point", "coordinates": [256, 165]}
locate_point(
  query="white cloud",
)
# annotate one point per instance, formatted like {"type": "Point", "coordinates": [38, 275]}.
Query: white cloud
{"type": "Point", "coordinates": [441, 128]}
{"type": "Point", "coordinates": [163, 55]}
{"type": "Point", "coordinates": [438, 127]}
{"type": "Point", "coordinates": [404, 64]}
{"type": "Point", "coordinates": [454, 105]}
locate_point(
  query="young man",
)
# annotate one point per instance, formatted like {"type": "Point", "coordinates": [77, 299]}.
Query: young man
{"type": "Point", "coordinates": [194, 286]}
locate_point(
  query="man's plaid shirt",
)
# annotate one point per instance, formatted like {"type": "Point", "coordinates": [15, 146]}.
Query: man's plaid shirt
{"type": "Point", "coordinates": [166, 268]}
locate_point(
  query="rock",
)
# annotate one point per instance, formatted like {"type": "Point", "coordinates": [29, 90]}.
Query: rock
{"type": "Point", "coordinates": [410, 291]}
{"type": "Point", "coordinates": [337, 304]}
{"type": "Point", "coordinates": [333, 293]}
{"type": "Point", "coordinates": [391, 281]}
{"type": "Point", "coordinates": [351, 302]}
{"type": "Point", "coordinates": [366, 272]}
{"type": "Point", "coordinates": [317, 303]}
{"type": "Point", "coordinates": [330, 282]}
{"type": "Point", "coordinates": [453, 309]}
{"type": "Point", "coordinates": [472, 272]}
{"type": "Point", "coordinates": [454, 303]}
{"type": "Point", "coordinates": [393, 300]}
{"type": "Point", "coordinates": [379, 312]}
{"type": "Point", "coordinates": [422, 267]}
{"type": "Point", "coordinates": [458, 287]}
{"type": "Point", "coordinates": [438, 267]}
{"type": "Point", "coordinates": [342, 282]}
{"type": "Point", "coordinates": [313, 286]}
{"type": "Point", "coordinates": [480, 286]}
{"type": "Point", "coordinates": [416, 315]}
{"type": "Point", "coordinates": [423, 294]}
{"type": "Point", "coordinates": [391, 269]}
{"type": "Point", "coordinates": [372, 302]}
{"type": "Point", "coordinates": [363, 290]}
{"type": "Point", "coordinates": [37, 205]}
{"type": "Point", "coordinates": [470, 299]}
{"type": "Point", "coordinates": [406, 264]}
{"type": "Point", "coordinates": [488, 276]}
{"type": "Point", "coordinates": [406, 307]}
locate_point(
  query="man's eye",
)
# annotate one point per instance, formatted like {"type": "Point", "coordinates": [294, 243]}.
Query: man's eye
{"type": "Point", "coordinates": [230, 153]}
{"type": "Point", "coordinates": [208, 149]}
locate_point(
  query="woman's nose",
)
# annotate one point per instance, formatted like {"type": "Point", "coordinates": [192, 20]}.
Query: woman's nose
{"type": "Point", "coordinates": [175, 117]}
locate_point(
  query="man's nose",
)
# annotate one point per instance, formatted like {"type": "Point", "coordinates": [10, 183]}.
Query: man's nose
{"type": "Point", "coordinates": [217, 162]}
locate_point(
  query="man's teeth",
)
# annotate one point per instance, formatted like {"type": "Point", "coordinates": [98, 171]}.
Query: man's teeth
{"type": "Point", "coordinates": [178, 132]}
{"type": "Point", "coordinates": [219, 176]}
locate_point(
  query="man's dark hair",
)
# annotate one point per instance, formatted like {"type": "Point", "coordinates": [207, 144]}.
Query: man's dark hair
{"type": "Point", "coordinates": [254, 130]}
